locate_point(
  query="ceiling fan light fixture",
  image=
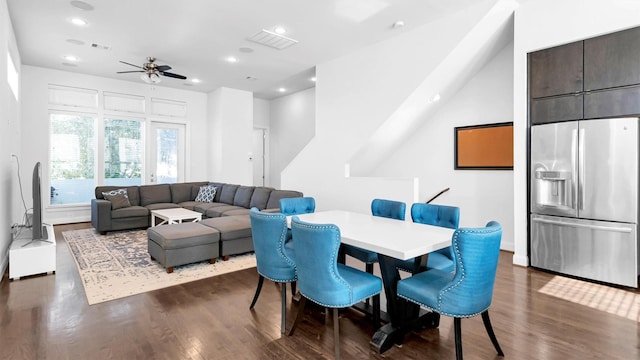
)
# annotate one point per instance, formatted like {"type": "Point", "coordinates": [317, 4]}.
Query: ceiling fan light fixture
{"type": "Point", "coordinates": [150, 78]}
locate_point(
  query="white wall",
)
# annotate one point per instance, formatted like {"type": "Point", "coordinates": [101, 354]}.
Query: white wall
{"type": "Point", "coordinates": [355, 94]}
{"type": "Point", "coordinates": [35, 129]}
{"type": "Point", "coordinates": [9, 128]}
{"type": "Point", "coordinates": [541, 24]}
{"type": "Point", "coordinates": [261, 110]}
{"type": "Point", "coordinates": [230, 114]}
{"type": "Point", "coordinates": [482, 195]}
{"type": "Point", "coordinates": [293, 125]}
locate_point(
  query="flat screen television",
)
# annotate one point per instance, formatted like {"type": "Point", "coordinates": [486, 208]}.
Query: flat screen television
{"type": "Point", "coordinates": [39, 232]}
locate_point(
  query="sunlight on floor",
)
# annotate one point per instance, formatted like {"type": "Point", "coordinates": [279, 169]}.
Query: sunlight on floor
{"type": "Point", "coordinates": [615, 301]}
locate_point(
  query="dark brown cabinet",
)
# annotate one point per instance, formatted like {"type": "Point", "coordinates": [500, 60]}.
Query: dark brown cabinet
{"type": "Point", "coordinates": [556, 109]}
{"type": "Point", "coordinates": [612, 103]}
{"type": "Point", "coordinates": [556, 71]}
{"type": "Point", "coordinates": [612, 60]}
{"type": "Point", "coordinates": [594, 78]}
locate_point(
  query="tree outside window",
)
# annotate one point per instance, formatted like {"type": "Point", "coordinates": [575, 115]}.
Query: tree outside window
{"type": "Point", "coordinates": [72, 158]}
{"type": "Point", "coordinates": [122, 152]}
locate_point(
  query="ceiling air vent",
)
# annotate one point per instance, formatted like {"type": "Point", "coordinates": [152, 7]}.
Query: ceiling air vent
{"type": "Point", "coordinates": [100, 47]}
{"type": "Point", "coordinates": [272, 40]}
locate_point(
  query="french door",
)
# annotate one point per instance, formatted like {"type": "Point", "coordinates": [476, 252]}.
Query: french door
{"type": "Point", "coordinates": [166, 156]}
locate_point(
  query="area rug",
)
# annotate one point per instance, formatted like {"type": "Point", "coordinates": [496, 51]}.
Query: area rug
{"type": "Point", "coordinates": [118, 264]}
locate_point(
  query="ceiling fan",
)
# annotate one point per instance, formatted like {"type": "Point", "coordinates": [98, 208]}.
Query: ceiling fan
{"type": "Point", "coordinates": [151, 71]}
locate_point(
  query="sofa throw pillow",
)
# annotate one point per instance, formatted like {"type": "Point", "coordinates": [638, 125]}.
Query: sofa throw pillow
{"type": "Point", "coordinates": [206, 193]}
{"type": "Point", "coordinates": [119, 198]}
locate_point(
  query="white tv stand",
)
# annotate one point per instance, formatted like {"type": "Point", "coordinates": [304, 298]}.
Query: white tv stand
{"type": "Point", "coordinates": [27, 257]}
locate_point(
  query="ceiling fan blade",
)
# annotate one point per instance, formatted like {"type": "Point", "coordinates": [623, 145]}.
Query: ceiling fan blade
{"type": "Point", "coordinates": [168, 74]}
{"type": "Point", "coordinates": [124, 62]}
{"type": "Point", "coordinates": [134, 71]}
{"type": "Point", "coordinates": [163, 67]}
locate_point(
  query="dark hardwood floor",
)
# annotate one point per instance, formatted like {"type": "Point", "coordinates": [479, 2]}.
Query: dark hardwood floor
{"type": "Point", "coordinates": [535, 315]}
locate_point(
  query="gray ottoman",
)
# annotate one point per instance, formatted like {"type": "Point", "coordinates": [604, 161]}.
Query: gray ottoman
{"type": "Point", "coordinates": [181, 244]}
{"type": "Point", "coordinates": [235, 234]}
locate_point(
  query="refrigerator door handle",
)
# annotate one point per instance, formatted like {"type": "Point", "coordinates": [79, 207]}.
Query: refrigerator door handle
{"type": "Point", "coordinates": [581, 178]}
{"type": "Point", "coordinates": [574, 168]}
{"type": "Point", "coordinates": [587, 226]}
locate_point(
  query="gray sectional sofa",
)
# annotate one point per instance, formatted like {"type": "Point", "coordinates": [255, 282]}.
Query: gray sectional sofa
{"type": "Point", "coordinates": [228, 213]}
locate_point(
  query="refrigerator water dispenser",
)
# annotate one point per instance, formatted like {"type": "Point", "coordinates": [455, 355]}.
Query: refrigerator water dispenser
{"type": "Point", "coordinates": [553, 188]}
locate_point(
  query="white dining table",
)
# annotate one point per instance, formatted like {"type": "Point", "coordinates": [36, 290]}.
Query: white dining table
{"type": "Point", "coordinates": [398, 239]}
{"type": "Point", "coordinates": [391, 239]}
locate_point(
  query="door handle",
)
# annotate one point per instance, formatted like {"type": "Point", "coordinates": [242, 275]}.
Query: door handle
{"type": "Point", "coordinates": [586, 226]}
{"type": "Point", "coordinates": [581, 178]}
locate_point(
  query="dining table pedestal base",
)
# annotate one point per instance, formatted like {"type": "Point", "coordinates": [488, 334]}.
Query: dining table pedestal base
{"type": "Point", "coordinates": [388, 335]}
{"type": "Point", "coordinates": [404, 316]}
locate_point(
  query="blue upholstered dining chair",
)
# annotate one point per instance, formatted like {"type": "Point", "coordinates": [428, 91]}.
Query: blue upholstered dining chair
{"type": "Point", "coordinates": [379, 207]}
{"type": "Point", "coordinates": [323, 280]}
{"type": "Point", "coordinates": [468, 290]}
{"type": "Point", "coordinates": [297, 205]}
{"type": "Point", "coordinates": [274, 258]}
{"type": "Point", "coordinates": [437, 215]}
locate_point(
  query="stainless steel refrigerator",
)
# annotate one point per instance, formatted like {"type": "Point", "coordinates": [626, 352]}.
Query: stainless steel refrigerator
{"type": "Point", "coordinates": [584, 199]}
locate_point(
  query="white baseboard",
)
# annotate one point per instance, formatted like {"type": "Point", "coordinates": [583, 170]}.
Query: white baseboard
{"type": "Point", "coordinates": [520, 260]}
{"type": "Point", "coordinates": [68, 220]}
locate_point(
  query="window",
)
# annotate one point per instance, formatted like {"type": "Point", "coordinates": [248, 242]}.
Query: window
{"type": "Point", "coordinates": [12, 76]}
{"type": "Point", "coordinates": [72, 158]}
{"type": "Point", "coordinates": [122, 152]}
{"type": "Point", "coordinates": [111, 142]}
{"type": "Point", "coordinates": [167, 155]}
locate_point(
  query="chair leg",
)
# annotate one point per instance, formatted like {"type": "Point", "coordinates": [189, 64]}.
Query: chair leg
{"type": "Point", "coordinates": [336, 333]}
{"type": "Point", "coordinates": [368, 267]}
{"type": "Point", "coordinates": [492, 335]}
{"type": "Point", "coordinates": [376, 310]}
{"type": "Point", "coordinates": [255, 297]}
{"type": "Point", "coordinates": [283, 322]}
{"type": "Point", "coordinates": [299, 315]}
{"type": "Point", "coordinates": [458, 335]}
{"type": "Point", "coordinates": [293, 287]}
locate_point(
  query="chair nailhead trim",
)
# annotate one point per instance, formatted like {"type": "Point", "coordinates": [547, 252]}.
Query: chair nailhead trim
{"type": "Point", "coordinates": [462, 270]}
{"type": "Point", "coordinates": [283, 237]}
{"type": "Point", "coordinates": [332, 262]}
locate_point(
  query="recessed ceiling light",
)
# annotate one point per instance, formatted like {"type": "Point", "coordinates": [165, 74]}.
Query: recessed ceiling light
{"type": "Point", "coordinates": [196, 81]}
{"type": "Point", "coordinates": [435, 98]}
{"type": "Point", "coordinates": [232, 59]}
{"type": "Point", "coordinates": [280, 30]}
{"type": "Point", "coordinates": [282, 89]}
{"type": "Point", "coordinates": [71, 58]}
{"type": "Point", "coordinates": [82, 5]}
{"type": "Point", "coordinates": [313, 79]}
{"type": "Point", "coordinates": [79, 22]}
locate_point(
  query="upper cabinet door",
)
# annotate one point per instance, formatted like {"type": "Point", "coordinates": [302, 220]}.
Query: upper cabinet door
{"type": "Point", "coordinates": [612, 60]}
{"type": "Point", "coordinates": [556, 71]}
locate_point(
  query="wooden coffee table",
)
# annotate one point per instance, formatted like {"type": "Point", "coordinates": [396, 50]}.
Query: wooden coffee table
{"type": "Point", "coordinates": [174, 216]}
